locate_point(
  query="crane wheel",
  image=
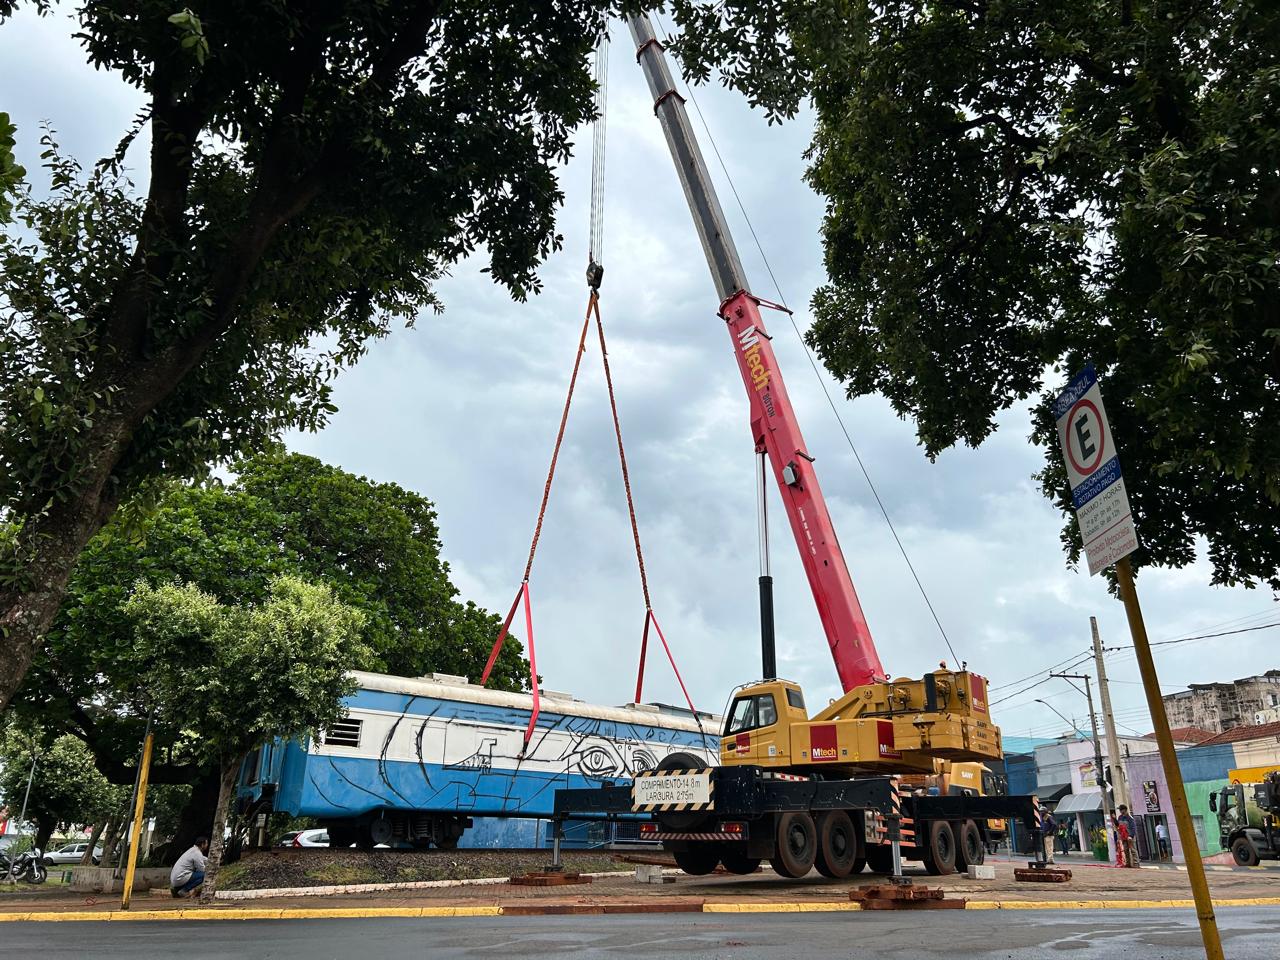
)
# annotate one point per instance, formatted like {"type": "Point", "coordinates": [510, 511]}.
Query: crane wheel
{"type": "Point", "coordinates": [838, 845]}
{"type": "Point", "coordinates": [739, 863]}
{"type": "Point", "coordinates": [681, 822]}
{"type": "Point", "coordinates": [880, 858]}
{"type": "Point", "coordinates": [970, 850]}
{"type": "Point", "coordinates": [939, 848]}
{"type": "Point", "coordinates": [797, 845]}
{"type": "Point", "coordinates": [1243, 854]}
{"type": "Point", "coordinates": [696, 861]}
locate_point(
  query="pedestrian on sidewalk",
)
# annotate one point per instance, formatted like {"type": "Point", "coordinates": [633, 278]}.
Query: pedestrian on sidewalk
{"type": "Point", "coordinates": [187, 874]}
{"type": "Point", "coordinates": [1120, 833]}
{"type": "Point", "coordinates": [1049, 828]}
{"type": "Point", "coordinates": [1131, 844]}
{"type": "Point", "coordinates": [1162, 834]}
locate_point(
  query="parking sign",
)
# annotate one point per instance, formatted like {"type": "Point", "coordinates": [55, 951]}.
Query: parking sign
{"type": "Point", "coordinates": [1093, 470]}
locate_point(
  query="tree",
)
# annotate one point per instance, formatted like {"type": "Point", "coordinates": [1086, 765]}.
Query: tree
{"type": "Point", "coordinates": [1016, 189]}
{"type": "Point", "coordinates": [314, 168]}
{"type": "Point", "coordinates": [66, 788]}
{"type": "Point", "coordinates": [234, 677]}
{"type": "Point", "coordinates": [375, 544]}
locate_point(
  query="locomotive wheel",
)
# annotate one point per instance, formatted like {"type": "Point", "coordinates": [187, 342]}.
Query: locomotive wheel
{"type": "Point", "coordinates": [698, 860]}
{"type": "Point", "coordinates": [679, 822]}
{"type": "Point", "coordinates": [797, 845]}
{"type": "Point", "coordinates": [738, 862]}
{"type": "Point", "coordinates": [970, 850]}
{"type": "Point", "coordinates": [939, 848]}
{"type": "Point", "coordinates": [838, 845]}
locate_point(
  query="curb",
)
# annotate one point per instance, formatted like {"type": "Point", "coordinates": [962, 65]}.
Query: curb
{"type": "Point", "coordinates": [271, 892]}
{"type": "Point", "coordinates": [518, 909]}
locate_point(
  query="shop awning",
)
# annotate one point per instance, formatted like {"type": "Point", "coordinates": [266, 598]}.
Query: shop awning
{"type": "Point", "coordinates": [1080, 803]}
{"type": "Point", "coordinates": [1050, 792]}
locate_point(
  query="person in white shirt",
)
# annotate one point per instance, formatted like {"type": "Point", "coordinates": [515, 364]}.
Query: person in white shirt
{"type": "Point", "coordinates": [188, 873]}
{"type": "Point", "coordinates": [1162, 834]}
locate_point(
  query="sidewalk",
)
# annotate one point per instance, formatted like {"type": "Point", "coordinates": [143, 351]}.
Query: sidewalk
{"type": "Point", "coordinates": [1090, 888]}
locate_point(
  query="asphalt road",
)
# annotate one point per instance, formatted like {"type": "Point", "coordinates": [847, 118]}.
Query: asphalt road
{"type": "Point", "coordinates": [1248, 933]}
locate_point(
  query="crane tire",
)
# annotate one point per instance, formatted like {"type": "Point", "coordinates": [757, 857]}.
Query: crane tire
{"type": "Point", "coordinates": [880, 859]}
{"type": "Point", "coordinates": [697, 861]}
{"type": "Point", "coordinates": [838, 845]}
{"type": "Point", "coordinates": [939, 847]}
{"type": "Point", "coordinates": [1243, 853]}
{"type": "Point", "coordinates": [796, 846]}
{"type": "Point", "coordinates": [970, 850]}
{"type": "Point", "coordinates": [738, 862]}
{"type": "Point", "coordinates": [681, 822]}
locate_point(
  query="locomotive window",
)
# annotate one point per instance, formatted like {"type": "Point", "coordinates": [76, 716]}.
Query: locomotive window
{"type": "Point", "coordinates": [343, 733]}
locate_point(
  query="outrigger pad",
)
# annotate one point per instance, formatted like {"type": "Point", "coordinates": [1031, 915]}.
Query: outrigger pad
{"type": "Point", "coordinates": [904, 896]}
{"type": "Point", "coordinates": [1041, 874]}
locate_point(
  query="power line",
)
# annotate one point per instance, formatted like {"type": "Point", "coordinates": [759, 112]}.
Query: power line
{"type": "Point", "coordinates": [812, 362]}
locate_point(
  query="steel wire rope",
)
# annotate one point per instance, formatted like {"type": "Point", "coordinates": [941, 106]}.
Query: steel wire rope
{"type": "Point", "coordinates": [809, 355]}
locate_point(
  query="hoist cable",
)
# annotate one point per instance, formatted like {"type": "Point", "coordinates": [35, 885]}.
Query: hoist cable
{"type": "Point", "coordinates": [809, 354]}
{"type": "Point", "coordinates": [596, 252]}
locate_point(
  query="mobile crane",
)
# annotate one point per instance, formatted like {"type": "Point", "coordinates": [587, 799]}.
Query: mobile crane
{"type": "Point", "coordinates": [802, 791]}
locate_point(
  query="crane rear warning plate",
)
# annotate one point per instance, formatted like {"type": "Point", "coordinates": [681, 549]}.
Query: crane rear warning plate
{"type": "Point", "coordinates": [673, 790]}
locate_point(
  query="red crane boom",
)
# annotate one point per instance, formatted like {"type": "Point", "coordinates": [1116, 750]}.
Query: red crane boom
{"type": "Point", "coordinates": [774, 426]}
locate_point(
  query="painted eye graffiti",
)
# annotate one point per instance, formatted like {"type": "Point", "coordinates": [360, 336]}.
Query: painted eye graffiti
{"type": "Point", "coordinates": [642, 760]}
{"type": "Point", "coordinates": [597, 762]}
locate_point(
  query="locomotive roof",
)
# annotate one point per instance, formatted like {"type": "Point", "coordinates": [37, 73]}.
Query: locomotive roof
{"type": "Point", "coordinates": [442, 687]}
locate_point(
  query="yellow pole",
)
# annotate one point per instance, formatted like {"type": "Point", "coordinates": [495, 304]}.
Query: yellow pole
{"type": "Point", "coordinates": [1169, 760]}
{"type": "Point", "coordinates": [135, 832]}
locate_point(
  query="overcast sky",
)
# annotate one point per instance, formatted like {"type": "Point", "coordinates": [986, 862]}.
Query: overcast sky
{"type": "Point", "coordinates": [463, 409]}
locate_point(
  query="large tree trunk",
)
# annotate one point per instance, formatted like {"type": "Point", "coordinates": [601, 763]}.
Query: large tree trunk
{"type": "Point", "coordinates": [94, 834]}
{"type": "Point", "coordinates": [225, 789]}
{"type": "Point", "coordinates": [110, 837]}
{"type": "Point", "coordinates": [44, 830]}
{"type": "Point", "coordinates": [48, 546]}
{"type": "Point", "coordinates": [197, 816]}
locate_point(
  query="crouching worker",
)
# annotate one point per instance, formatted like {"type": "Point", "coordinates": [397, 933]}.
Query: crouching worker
{"type": "Point", "coordinates": [188, 873]}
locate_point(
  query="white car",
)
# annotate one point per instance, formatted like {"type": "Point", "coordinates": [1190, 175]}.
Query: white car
{"type": "Point", "coordinates": [305, 838]}
{"type": "Point", "coordinates": [71, 854]}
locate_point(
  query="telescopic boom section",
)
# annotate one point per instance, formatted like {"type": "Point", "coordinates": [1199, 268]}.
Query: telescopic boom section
{"type": "Point", "coordinates": [773, 421]}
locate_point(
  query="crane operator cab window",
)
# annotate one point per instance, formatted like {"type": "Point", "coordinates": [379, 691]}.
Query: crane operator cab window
{"type": "Point", "coordinates": [749, 713]}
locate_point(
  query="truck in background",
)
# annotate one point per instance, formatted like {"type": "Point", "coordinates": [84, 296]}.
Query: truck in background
{"type": "Point", "coordinates": [1248, 812]}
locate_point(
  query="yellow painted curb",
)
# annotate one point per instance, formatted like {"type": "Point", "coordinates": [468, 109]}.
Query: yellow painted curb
{"type": "Point", "coordinates": [250, 913]}
{"type": "Point", "coordinates": [821, 907]}
{"type": "Point", "coordinates": [1113, 904]}
{"type": "Point", "coordinates": [494, 910]}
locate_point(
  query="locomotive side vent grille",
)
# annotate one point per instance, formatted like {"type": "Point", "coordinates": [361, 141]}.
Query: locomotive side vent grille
{"type": "Point", "coordinates": [343, 733]}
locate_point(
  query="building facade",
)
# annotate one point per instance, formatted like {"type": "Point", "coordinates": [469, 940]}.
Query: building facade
{"type": "Point", "coordinates": [1219, 707]}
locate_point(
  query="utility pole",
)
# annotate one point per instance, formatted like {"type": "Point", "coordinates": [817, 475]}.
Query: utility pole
{"type": "Point", "coordinates": [1118, 783]}
{"type": "Point", "coordinates": [1097, 745]}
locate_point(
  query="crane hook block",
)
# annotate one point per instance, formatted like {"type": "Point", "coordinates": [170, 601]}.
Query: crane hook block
{"type": "Point", "coordinates": [595, 275]}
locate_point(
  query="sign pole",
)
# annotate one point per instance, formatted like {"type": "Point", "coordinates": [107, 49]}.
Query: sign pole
{"type": "Point", "coordinates": [1169, 760]}
{"type": "Point", "coordinates": [135, 832]}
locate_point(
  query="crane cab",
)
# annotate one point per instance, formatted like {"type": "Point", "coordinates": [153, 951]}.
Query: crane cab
{"type": "Point", "coordinates": [757, 728]}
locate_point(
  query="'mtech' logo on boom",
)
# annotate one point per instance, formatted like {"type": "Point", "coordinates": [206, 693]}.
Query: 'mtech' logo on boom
{"type": "Point", "coordinates": [749, 341]}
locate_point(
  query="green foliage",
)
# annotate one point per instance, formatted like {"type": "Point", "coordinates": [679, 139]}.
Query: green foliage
{"type": "Point", "coordinates": [1015, 189]}
{"type": "Point", "coordinates": [375, 545]}
{"type": "Point", "coordinates": [66, 789]}
{"type": "Point", "coordinates": [236, 676]}
{"type": "Point", "coordinates": [315, 168]}
{"type": "Point", "coordinates": [11, 174]}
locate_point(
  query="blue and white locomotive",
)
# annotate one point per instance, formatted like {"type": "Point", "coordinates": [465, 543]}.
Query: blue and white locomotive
{"type": "Point", "coordinates": [416, 758]}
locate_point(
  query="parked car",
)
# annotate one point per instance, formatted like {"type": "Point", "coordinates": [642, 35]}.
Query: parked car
{"type": "Point", "coordinates": [71, 853]}
{"type": "Point", "coordinates": [305, 838]}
